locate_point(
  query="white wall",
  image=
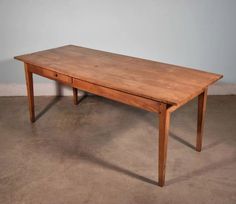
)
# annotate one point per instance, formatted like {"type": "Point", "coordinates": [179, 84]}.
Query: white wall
{"type": "Point", "coordinates": [193, 33]}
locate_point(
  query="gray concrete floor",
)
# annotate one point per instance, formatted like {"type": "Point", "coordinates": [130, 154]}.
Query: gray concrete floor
{"type": "Point", "coordinates": [105, 152]}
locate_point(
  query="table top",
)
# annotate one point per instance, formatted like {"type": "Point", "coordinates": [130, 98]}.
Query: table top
{"type": "Point", "coordinates": [162, 82]}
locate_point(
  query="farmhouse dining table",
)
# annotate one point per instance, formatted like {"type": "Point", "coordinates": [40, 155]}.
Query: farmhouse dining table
{"type": "Point", "coordinates": [157, 87]}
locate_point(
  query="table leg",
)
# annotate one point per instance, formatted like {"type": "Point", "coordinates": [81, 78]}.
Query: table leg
{"type": "Point", "coordinates": [202, 99]}
{"type": "Point", "coordinates": [75, 95]}
{"type": "Point", "coordinates": [164, 120]}
{"type": "Point", "coordinates": [30, 92]}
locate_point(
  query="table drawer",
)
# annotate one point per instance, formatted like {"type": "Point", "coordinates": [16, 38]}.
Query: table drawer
{"type": "Point", "coordinates": [51, 74]}
{"type": "Point", "coordinates": [116, 95]}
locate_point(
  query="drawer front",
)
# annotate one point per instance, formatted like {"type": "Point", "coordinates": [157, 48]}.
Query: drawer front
{"type": "Point", "coordinates": [51, 74]}
{"type": "Point", "coordinates": [116, 95]}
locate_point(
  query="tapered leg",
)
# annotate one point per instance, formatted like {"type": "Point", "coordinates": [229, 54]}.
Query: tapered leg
{"type": "Point", "coordinates": [75, 95]}
{"type": "Point", "coordinates": [202, 99]}
{"type": "Point", "coordinates": [164, 120]}
{"type": "Point", "coordinates": [30, 92]}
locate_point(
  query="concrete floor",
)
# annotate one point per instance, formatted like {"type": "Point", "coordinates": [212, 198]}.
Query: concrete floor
{"type": "Point", "coordinates": [105, 152]}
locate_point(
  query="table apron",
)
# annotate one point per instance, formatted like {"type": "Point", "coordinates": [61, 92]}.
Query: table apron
{"type": "Point", "coordinates": [130, 99]}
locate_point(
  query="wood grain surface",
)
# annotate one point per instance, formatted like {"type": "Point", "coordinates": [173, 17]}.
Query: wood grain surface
{"type": "Point", "coordinates": [161, 82]}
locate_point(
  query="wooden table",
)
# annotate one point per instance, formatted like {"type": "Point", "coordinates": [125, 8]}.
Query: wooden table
{"type": "Point", "coordinates": [150, 85]}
